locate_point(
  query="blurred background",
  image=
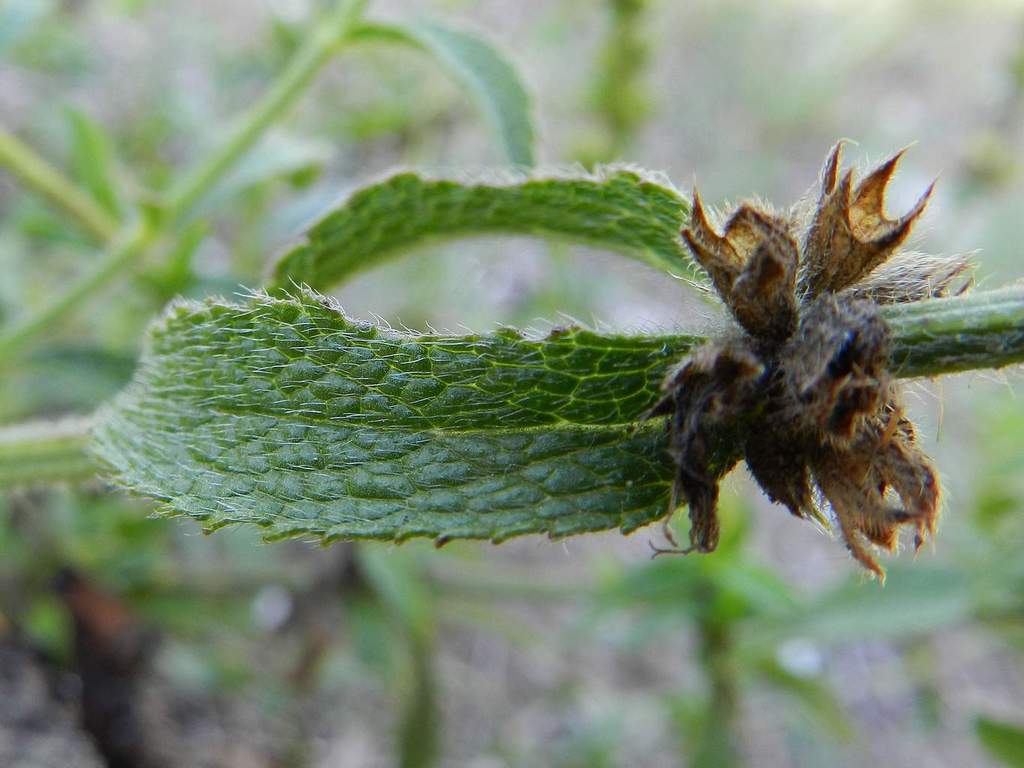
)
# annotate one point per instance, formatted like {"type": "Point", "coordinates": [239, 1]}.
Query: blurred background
{"type": "Point", "coordinates": [774, 651]}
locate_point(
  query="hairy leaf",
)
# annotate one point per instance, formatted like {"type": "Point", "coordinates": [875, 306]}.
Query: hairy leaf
{"type": "Point", "coordinates": [620, 209]}
{"type": "Point", "coordinates": [984, 330]}
{"type": "Point", "coordinates": [487, 75]}
{"type": "Point", "coordinates": [286, 414]}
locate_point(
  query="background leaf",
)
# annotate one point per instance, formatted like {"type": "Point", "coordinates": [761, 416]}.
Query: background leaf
{"type": "Point", "coordinates": [490, 79]}
{"type": "Point", "coordinates": [1003, 741]}
{"type": "Point", "coordinates": [18, 20]}
{"type": "Point", "coordinates": [92, 156]}
{"type": "Point", "coordinates": [620, 209]}
{"type": "Point", "coordinates": [280, 155]}
{"type": "Point", "coordinates": [915, 601]}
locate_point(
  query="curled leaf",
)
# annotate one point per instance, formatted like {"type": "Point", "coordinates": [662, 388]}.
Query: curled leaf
{"type": "Point", "coordinates": [620, 209]}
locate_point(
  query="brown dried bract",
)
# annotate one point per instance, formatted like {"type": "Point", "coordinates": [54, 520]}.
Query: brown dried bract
{"type": "Point", "coordinates": [801, 390]}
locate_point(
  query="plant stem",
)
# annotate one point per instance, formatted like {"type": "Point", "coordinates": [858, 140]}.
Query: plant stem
{"type": "Point", "coordinates": [38, 174]}
{"type": "Point", "coordinates": [45, 452]}
{"type": "Point", "coordinates": [324, 42]}
{"type": "Point", "coordinates": [984, 330]}
{"type": "Point", "coordinates": [618, 94]}
{"type": "Point", "coordinates": [128, 245]}
{"type": "Point", "coordinates": [718, 742]}
{"type": "Point", "coordinates": [419, 717]}
{"type": "Point", "coordinates": [14, 339]}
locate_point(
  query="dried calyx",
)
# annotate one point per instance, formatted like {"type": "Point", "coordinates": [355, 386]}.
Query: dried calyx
{"type": "Point", "coordinates": [801, 389]}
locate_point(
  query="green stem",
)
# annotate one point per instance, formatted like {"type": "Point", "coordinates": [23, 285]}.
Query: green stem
{"type": "Point", "coordinates": [940, 336]}
{"type": "Point", "coordinates": [45, 452]}
{"type": "Point", "coordinates": [717, 745]}
{"type": "Point", "coordinates": [325, 41]}
{"type": "Point", "coordinates": [619, 94]}
{"type": "Point", "coordinates": [132, 243]}
{"type": "Point", "coordinates": [419, 718]}
{"type": "Point", "coordinates": [14, 339]}
{"type": "Point", "coordinates": [39, 175]}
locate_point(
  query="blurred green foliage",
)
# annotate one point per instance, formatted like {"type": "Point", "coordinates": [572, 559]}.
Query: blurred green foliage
{"type": "Point", "coordinates": [382, 629]}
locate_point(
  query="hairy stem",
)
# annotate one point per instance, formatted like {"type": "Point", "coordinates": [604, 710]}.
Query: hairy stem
{"type": "Point", "coordinates": [45, 452]}
{"type": "Point", "coordinates": [984, 330]}
{"type": "Point", "coordinates": [128, 245]}
{"type": "Point", "coordinates": [38, 174]}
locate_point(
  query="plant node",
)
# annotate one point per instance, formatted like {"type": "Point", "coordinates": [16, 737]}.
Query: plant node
{"type": "Point", "coordinates": [800, 389]}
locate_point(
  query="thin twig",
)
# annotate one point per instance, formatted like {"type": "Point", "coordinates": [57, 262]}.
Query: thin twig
{"type": "Point", "coordinates": [129, 244]}
{"type": "Point", "coordinates": [36, 173]}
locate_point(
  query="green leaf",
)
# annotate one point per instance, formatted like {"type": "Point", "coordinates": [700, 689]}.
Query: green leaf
{"type": "Point", "coordinates": [92, 157]}
{"type": "Point", "coordinates": [286, 414]}
{"type": "Point", "coordinates": [1003, 741]}
{"type": "Point", "coordinates": [818, 700]}
{"type": "Point", "coordinates": [486, 74]}
{"type": "Point", "coordinates": [620, 209]}
{"type": "Point", "coordinates": [279, 155]}
{"type": "Point", "coordinates": [914, 601]}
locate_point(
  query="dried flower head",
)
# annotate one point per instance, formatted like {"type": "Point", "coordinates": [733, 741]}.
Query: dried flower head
{"type": "Point", "coordinates": [801, 389]}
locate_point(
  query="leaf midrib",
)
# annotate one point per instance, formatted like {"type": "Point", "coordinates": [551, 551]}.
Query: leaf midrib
{"type": "Point", "coordinates": [558, 423]}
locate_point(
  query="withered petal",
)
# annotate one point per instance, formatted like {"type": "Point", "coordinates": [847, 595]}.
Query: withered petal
{"type": "Point", "coordinates": [746, 229]}
{"type": "Point", "coordinates": [828, 239]}
{"type": "Point", "coordinates": [782, 474]}
{"type": "Point", "coordinates": [844, 481]}
{"type": "Point", "coordinates": [753, 266]}
{"type": "Point", "coordinates": [721, 271]}
{"type": "Point", "coordinates": [806, 396]}
{"type": "Point", "coordinates": [833, 368]}
{"type": "Point", "coordinates": [699, 224]}
{"type": "Point", "coordinates": [764, 295]}
{"type": "Point", "coordinates": [867, 210]}
{"type": "Point", "coordinates": [711, 250]}
{"type": "Point", "coordinates": [710, 390]}
{"type": "Point", "coordinates": [850, 234]}
{"type": "Point", "coordinates": [911, 474]}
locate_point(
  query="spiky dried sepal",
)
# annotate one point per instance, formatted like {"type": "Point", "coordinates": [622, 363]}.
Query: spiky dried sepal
{"type": "Point", "coordinates": [803, 390]}
{"type": "Point", "coordinates": [704, 397]}
{"type": "Point", "coordinates": [753, 266]}
{"type": "Point", "coordinates": [850, 233]}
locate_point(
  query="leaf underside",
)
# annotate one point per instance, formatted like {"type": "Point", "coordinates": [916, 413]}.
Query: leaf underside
{"type": "Point", "coordinates": [619, 209]}
{"type": "Point", "coordinates": [285, 414]}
